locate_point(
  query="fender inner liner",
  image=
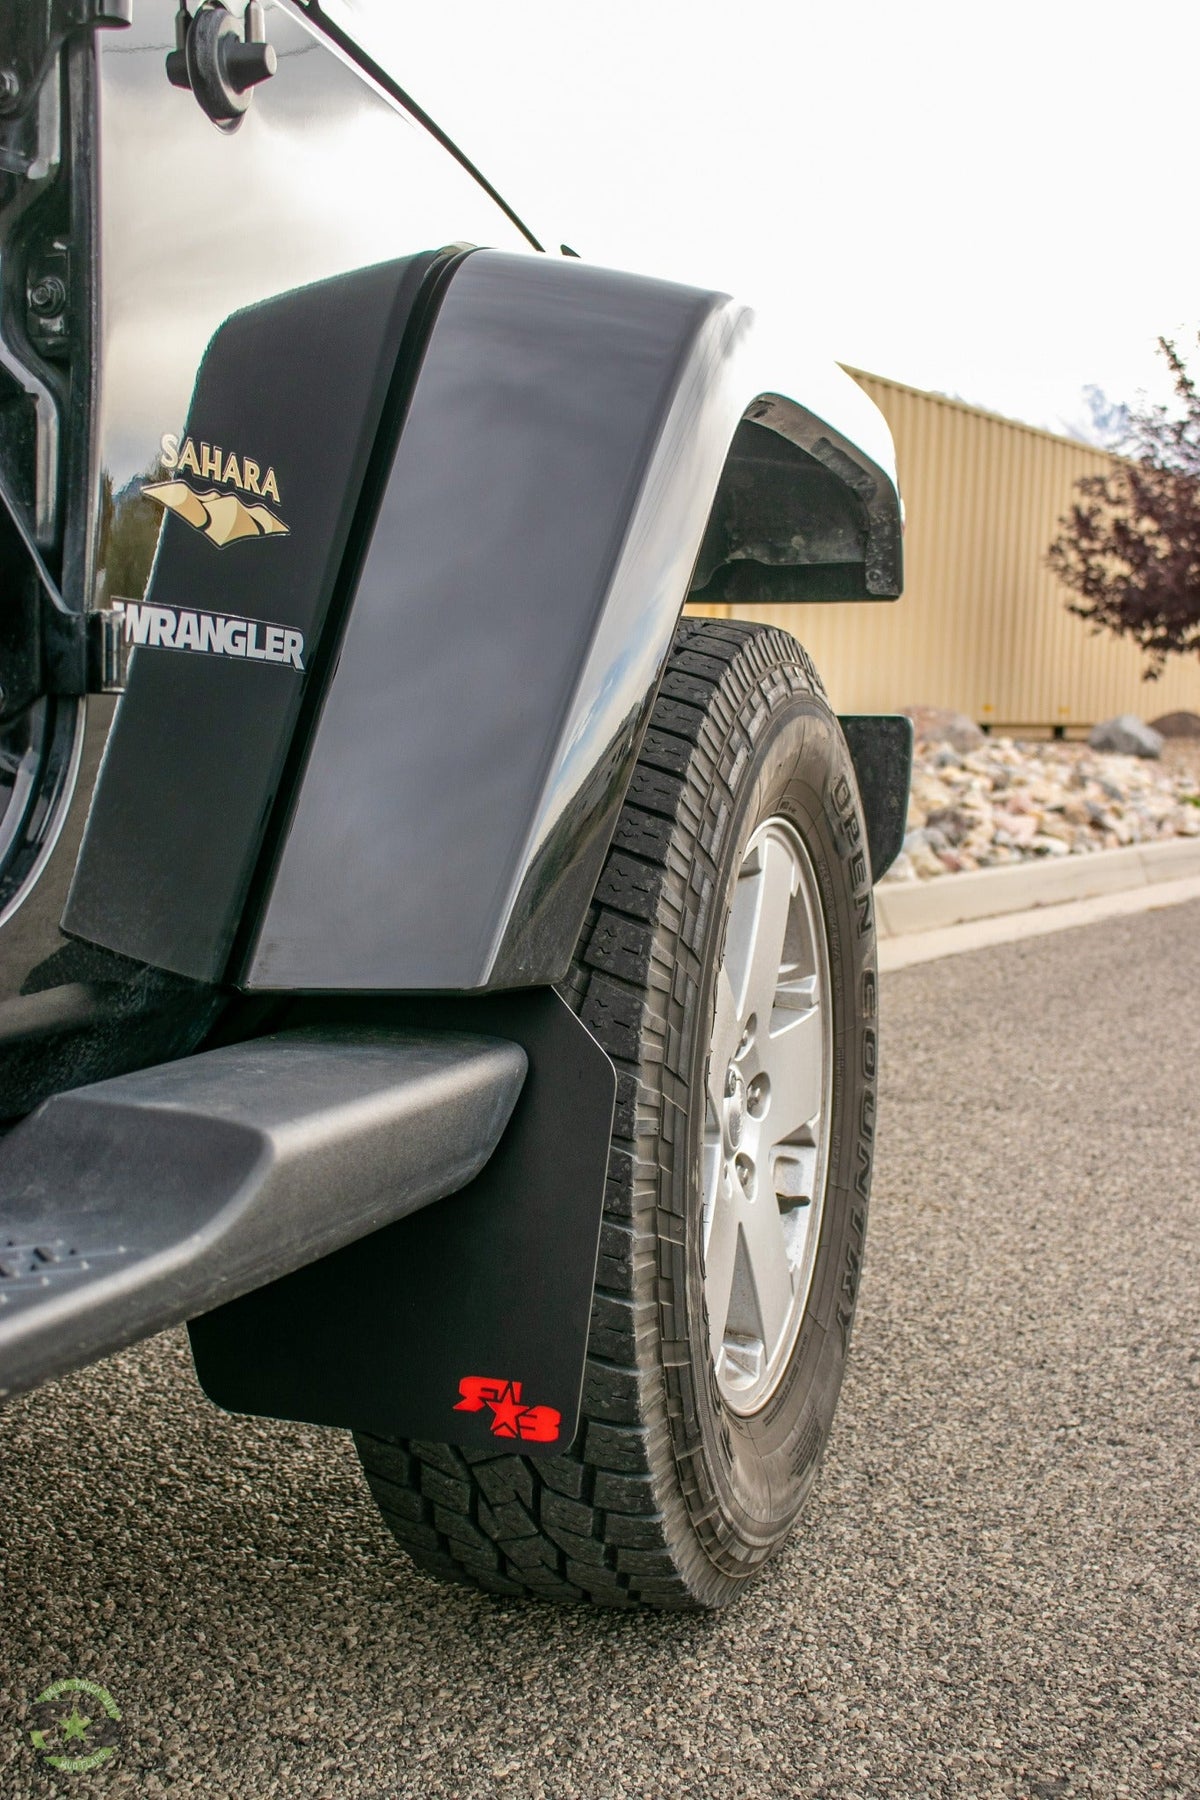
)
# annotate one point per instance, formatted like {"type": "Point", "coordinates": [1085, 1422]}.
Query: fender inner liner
{"type": "Point", "coordinates": [138, 1202]}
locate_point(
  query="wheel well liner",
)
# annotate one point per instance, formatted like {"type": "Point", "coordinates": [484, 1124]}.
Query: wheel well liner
{"type": "Point", "coordinates": [800, 514]}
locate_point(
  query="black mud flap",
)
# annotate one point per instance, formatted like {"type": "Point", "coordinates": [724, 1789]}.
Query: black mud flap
{"type": "Point", "coordinates": [881, 749]}
{"type": "Point", "coordinates": [466, 1323]}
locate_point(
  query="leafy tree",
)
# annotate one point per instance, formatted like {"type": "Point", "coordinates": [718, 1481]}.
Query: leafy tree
{"type": "Point", "coordinates": [1130, 546]}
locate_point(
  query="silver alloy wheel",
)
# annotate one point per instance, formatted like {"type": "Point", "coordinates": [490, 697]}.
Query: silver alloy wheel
{"type": "Point", "coordinates": [767, 1107]}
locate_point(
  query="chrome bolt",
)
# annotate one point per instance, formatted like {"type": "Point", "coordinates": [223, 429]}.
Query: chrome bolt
{"type": "Point", "coordinates": [48, 296]}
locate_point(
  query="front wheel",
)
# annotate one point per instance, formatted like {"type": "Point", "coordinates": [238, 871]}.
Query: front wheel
{"type": "Point", "coordinates": [727, 965]}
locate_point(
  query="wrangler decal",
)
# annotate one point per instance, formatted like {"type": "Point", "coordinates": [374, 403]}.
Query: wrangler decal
{"type": "Point", "coordinates": [213, 634]}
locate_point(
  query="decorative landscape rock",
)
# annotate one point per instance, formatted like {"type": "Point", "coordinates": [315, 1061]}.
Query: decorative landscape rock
{"type": "Point", "coordinates": [938, 725]}
{"type": "Point", "coordinates": [1177, 725]}
{"type": "Point", "coordinates": [1005, 802]}
{"type": "Point", "coordinates": [1127, 735]}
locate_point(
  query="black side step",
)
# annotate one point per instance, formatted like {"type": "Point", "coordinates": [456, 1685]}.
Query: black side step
{"type": "Point", "coordinates": [135, 1203]}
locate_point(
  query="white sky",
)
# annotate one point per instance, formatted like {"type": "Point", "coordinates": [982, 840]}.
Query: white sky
{"type": "Point", "coordinates": [996, 201]}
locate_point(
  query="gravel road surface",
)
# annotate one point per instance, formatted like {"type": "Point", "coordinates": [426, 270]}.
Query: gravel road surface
{"type": "Point", "coordinates": [995, 1592]}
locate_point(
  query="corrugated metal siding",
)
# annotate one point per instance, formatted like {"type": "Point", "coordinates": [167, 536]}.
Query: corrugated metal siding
{"type": "Point", "coordinates": [983, 625]}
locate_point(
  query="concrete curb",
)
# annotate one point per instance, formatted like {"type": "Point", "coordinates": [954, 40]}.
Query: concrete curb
{"type": "Point", "coordinates": [1039, 921]}
{"type": "Point", "coordinates": [904, 908]}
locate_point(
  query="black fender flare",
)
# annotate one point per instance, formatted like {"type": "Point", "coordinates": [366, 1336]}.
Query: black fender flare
{"type": "Point", "coordinates": [571, 438]}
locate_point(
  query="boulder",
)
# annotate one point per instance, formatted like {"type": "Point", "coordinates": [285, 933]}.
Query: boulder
{"type": "Point", "coordinates": [1177, 725]}
{"type": "Point", "coordinates": [938, 725]}
{"type": "Point", "coordinates": [1127, 736]}
{"type": "Point", "coordinates": [925, 838]}
{"type": "Point", "coordinates": [952, 822]}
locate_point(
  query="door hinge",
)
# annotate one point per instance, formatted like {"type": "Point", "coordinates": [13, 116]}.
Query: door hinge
{"type": "Point", "coordinates": [83, 653]}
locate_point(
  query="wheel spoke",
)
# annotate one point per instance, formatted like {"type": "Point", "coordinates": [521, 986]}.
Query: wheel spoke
{"type": "Point", "coordinates": [770, 1271]}
{"type": "Point", "coordinates": [720, 1255]}
{"type": "Point", "coordinates": [775, 881]}
{"type": "Point", "coordinates": [792, 1056]}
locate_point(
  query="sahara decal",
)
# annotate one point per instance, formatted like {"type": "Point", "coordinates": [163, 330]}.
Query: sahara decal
{"type": "Point", "coordinates": [511, 1418]}
{"type": "Point", "coordinates": [213, 634]}
{"type": "Point", "coordinates": [224, 518]}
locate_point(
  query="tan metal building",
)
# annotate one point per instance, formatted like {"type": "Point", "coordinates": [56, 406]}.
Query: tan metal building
{"type": "Point", "coordinates": [983, 625]}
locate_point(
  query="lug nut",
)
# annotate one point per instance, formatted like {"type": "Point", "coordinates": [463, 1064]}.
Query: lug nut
{"type": "Point", "coordinates": [758, 1096]}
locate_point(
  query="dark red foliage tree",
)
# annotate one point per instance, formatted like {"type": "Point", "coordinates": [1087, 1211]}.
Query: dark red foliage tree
{"type": "Point", "coordinates": [1130, 546]}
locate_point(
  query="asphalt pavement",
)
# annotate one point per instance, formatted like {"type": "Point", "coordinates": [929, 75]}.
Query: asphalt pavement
{"type": "Point", "coordinates": [996, 1588]}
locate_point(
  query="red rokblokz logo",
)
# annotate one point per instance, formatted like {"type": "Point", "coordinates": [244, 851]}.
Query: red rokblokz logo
{"type": "Point", "coordinates": [511, 1418]}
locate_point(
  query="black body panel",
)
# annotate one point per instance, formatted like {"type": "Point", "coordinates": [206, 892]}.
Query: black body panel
{"type": "Point", "coordinates": [493, 1284]}
{"type": "Point", "coordinates": [199, 742]}
{"type": "Point", "coordinates": [126, 1206]}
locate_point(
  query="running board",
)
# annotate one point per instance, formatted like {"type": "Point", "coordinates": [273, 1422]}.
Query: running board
{"type": "Point", "coordinates": [136, 1203]}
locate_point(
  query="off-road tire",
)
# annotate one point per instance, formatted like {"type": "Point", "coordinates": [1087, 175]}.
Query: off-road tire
{"type": "Point", "coordinates": [666, 1497]}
